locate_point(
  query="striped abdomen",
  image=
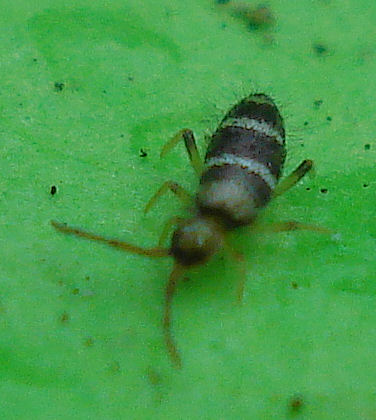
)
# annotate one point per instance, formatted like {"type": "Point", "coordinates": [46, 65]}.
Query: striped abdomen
{"type": "Point", "coordinates": [243, 162]}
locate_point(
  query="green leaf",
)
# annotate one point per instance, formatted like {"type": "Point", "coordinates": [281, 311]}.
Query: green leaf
{"type": "Point", "coordinates": [87, 89]}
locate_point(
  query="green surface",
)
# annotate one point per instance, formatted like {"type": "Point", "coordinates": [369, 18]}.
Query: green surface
{"type": "Point", "coordinates": [80, 323]}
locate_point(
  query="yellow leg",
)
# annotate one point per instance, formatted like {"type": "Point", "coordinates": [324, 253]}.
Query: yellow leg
{"type": "Point", "coordinates": [172, 349]}
{"type": "Point", "coordinates": [167, 227]}
{"type": "Point", "coordinates": [239, 258]}
{"type": "Point", "coordinates": [293, 178]}
{"type": "Point", "coordinates": [190, 144]}
{"type": "Point", "coordinates": [242, 279]}
{"type": "Point", "coordinates": [124, 246]}
{"type": "Point", "coordinates": [184, 195]}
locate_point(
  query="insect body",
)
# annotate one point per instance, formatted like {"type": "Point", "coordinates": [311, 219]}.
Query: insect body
{"type": "Point", "coordinates": [242, 166]}
{"type": "Point", "coordinates": [239, 176]}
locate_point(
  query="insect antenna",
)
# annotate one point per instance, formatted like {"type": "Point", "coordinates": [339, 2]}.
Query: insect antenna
{"type": "Point", "coordinates": [176, 273]}
{"type": "Point", "coordinates": [124, 246]}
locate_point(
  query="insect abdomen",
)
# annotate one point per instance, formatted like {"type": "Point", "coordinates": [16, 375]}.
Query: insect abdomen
{"type": "Point", "coordinates": [243, 162]}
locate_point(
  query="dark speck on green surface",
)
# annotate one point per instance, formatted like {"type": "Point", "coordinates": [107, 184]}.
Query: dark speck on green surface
{"type": "Point", "coordinates": [317, 103]}
{"type": "Point", "coordinates": [153, 376]}
{"type": "Point", "coordinates": [320, 49]}
{"type": "Point", "coordinates": [296, 404]}
{"type": "Point", "coordinates": [143, 153]}
{"type": "Point", "coordinates": [59, 86]}
{"type": "Point", "coordinates": [64, 317]}
{"type": "Point", "coordinates": [89, 342]}
{"type": "Point", "coordinates": [114, 367]}
{"type": "Point", "coordinates": [367, 146]}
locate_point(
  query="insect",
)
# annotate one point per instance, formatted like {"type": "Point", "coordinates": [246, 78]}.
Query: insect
{"type": "Point", "coordinates": [238, 177]}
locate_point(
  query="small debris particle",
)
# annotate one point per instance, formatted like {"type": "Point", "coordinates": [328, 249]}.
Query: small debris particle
{"type": "Point", "coordinates": [143, 153]}
{"type": "Point", "coordinates": [256, 18]}
{"type": "Point", "coordinates": [367, 146]}
{"type": "Point", "coordinates": [317, 103]}
{"type": "Point", "coordinates": [328, 118]}
{"type": "Point", "coordinates": [89, 342]}
{"type": "Point", "coordinates": [53, 190]}
{"type": "Point", "coordinates": [308, 189]}
{"type": "Point", "coordinates": [114, 367]}
{"type": "Point", "coordinates": [59, 86]}
{"type": "Point", "coordinates": [365, 185]}
{"type": "Point", "coordinates": [296, 404]}
{"type": "Point", "coordinates": [306, 123]}
{"type": "Point", "coordinates": [324, 190]}
{"type": "Point", "coordinates": [64, 317]}
{"type": "Point", "coordinates": [260, 17]}
{"type": "Point", "coordinates": [153, 376]}
{"type": "Point", "coordinates": [320, 49]}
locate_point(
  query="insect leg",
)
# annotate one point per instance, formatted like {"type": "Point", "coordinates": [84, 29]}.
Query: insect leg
{"type": "Point", "coordinates": [239, 258]}
{"type": "Point", "coordinates": [166, 229]}
{"type": "Point", "coordinates": [149, 252]}
{"type": "Point", "coordinates": [169, 294]}
{"type": "Point", "coordinates": [293, 178]}
{"type": "Point", "coordinates": [242, 279]}
{"type": "Point", "coordinates": [184, 195]}
{"type": "Point", "coordinates": [290, 226]}
{"type": "Point", "coordinates": [190, 143]}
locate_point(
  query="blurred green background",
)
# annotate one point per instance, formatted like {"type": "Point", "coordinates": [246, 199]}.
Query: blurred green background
{"type": "Point", "coordinates": [85, 85]}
